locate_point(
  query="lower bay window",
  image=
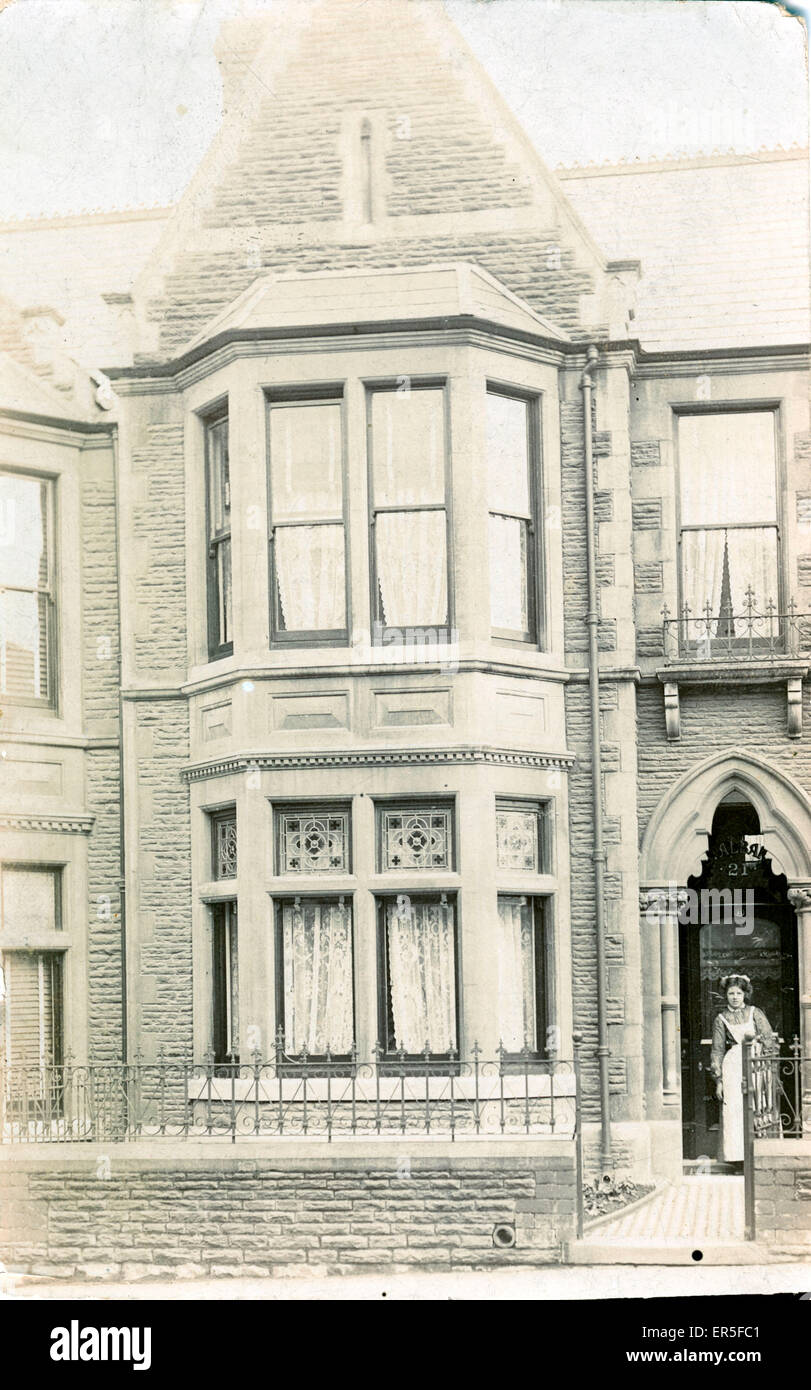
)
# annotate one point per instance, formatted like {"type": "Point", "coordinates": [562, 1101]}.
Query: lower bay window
{"type": "Point", "coordinates": [33, 1035]}
{"type": "Point", "coordinates": [225, 976]}
{"type": "Point", "coordinates": [523, 973]}
{"type": "Point", "coordinates": [418, 986]}
{"type": "Point", "coordinates": [314, 976]}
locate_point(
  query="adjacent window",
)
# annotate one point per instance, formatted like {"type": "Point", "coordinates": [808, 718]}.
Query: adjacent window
{"type": "Point", "coordinates": [307, 537]}
{"type": "Point", "coordinates": [415, 837]}
{"type": "Point", "coordinates": [513, 445]}
{"type": "Point", "coordinates": [314, 975]}
{"type": "Point", "coordinates": [418, 974]}
{"type": "Point", "coordinates": [408, 432]}
{"type": "Point", "coordinates": [32, 899]}
{"type": "Point", "coordinates": [33, 1008]}
{"type": "Point", "coordinates": [522, 973]}
{"type": "Point", "coordinates": [729, 523]}
{"type": "Point", "coordinates": [522, 836]}
{"type": "Point", "coordinates": [224, 844]}
{"type": "Point", "coordinates": [225, 977]}
{"type": "Point", "coordinates": [27, 610]}
{"type": "Point", "coordinates": [313, 840]}
{"type": "Point", "coordinates": [218, 481]}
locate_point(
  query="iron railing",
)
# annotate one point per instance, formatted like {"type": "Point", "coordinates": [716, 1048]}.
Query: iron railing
{"type": "Point", "coordinates": [777, 1105]}
{"type": "Point", "coordinates": [294, 1095]}
{"type": "Point", "coordinates": [748, 635]}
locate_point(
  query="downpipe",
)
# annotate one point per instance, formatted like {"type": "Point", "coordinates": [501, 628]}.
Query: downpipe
{"type": "Point", "coordinates": [598, 853]}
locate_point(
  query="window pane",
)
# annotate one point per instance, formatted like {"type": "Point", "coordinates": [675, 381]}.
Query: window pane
{"type": "Point", "coordinates": [310, 578]}
{"type": "Point", "coordinates": [509, 574]}
{"type": "Point", "coordinates": [23, 531]}
{"type": "Point", "coordinates": [412, 568]}
{"type": "Point", "coordinates": [33, 1010]}
{"type": "Point", "coordinates": [518, 1022]}
{"type": "Point", "coordinates": [317, 955]}
{"type": "Point", "coordinates": [408, 429]}
{"type": "Point", "coordinates": [518, 839]}
{"type": "Point", "coordinates": [727, 468]}
{"type": "Point", "coordinates": [24, 648]}
{"type": "Point", "coordinates": [219, 478]}
{"type": "Point", "coordinates": [313, 843]}
{"type": "Point", "coordinates": [417, 839]}
{"type": "Point", "coordinates": [224, 593]}
{"type": "Point", "coordinates": [507, 455]}
{"type": "Point", "coordinates": [30, 900]}
{"type": "Point", "coordinates": [226, 983]}
{"type": "Point", "coordinates": [225, 846]}
{"type": "Point", "coordinates": [422, 974]}
{"type": "Point", "coordinates": [719, 566]}
{"type": "Point", "coordinates": [305, 461]}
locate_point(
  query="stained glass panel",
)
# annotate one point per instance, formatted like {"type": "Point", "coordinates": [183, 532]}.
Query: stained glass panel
{"type": "Point", "coordinates": [314, 843]}
{"type": "Point", "coordinates": [225, 847]}
{"type": "Point", "coordinates": [417, 839]}
{"type": "Point", "coordinates": [518, 839]}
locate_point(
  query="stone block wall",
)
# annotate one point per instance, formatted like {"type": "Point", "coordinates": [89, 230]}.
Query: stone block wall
{"type": "Point", "coordinates": [164, 1210]}
{"type": "Point", "coordinates": [783, 1195]}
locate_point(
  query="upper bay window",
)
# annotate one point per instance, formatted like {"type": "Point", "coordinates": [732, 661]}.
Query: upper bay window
{"type": "Point", "coordinates": [307, 527]}
{"type": "Point", "coordinates": [218, 485]}
{"type": "Point", "coordinates": [27, 610]}
{"type": "Point", "coordinates": [408, 478]}
{"type": "Point", "coordinates": [512, 467]}
{"type": "Point", "coordinates": [730, 569]}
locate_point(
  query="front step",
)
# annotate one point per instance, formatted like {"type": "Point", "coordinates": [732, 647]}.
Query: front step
{"type": "Point", "coordinates": [586, 1252]}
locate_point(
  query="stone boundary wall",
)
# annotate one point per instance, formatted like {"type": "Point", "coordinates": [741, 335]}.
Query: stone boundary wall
{"type": "Point", "coordinates": [783, 1195]}
{"type": "Point", "coordinates": [197, 1210]}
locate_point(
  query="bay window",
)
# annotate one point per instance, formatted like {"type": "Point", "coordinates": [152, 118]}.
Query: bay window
{"type": "Point", "coordinates": [27, 609]}
{"type": "Point", "coordinates": [522, 973]}
{"type": "Point", "coordinates": [512, 436]}
{"type": "Point", "coordinates": [307, 525]}
{"type": "Point", "coordinates": [225, 991]}
{"type": "Point", "coordinates": [218, 488]}
{"type": "Point", "coordinates": [418, 999]}
{"type": "Point", "coordinates": [224, 844]}
{"type": "Point", "coordinates": [408, 480]}
{"type": "Point", "coordinates": [33, 1008]}
{"type": "Point", "coordinates": [729, 538]}
{"type": "Point", "coordinates": [314, 975]}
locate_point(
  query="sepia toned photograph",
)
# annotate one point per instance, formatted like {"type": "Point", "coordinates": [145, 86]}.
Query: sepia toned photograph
{"type": "Point", "coordinates": [405, 657]}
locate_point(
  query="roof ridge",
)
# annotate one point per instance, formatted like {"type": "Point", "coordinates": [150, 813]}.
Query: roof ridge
{"type": "Point", "coordinates": [634, 164]}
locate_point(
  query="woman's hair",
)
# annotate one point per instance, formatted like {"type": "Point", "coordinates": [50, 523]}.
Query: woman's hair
{"type": "Point", "coordinates": [742, 982]}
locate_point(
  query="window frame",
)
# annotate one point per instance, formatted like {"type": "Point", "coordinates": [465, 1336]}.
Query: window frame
{"type": "Point", "coordinates": [224, 923]}
{"type": "Point", "coordinates": [536, 553]}
{"type": "Point", "coordinates": [313, 808]}
{"type": "Point", "coordinates": [48, 490]}
{"type": "Point", "coordinates": [216, 818]}
{"type": "Point", "coordinates": [418, 805]}
{"type": "Point", "coordinates": [543, 809]}
{"type": "Point", "coordinates": [736, 407]}
{"type": "Point", "coordinates": [280, 901]}
{"type": "Point", "coordinates": [543, 975]}
{"type": "Point", "coordinates": [306, 395]}
{"type": "Point", "coordinates": [390, 1057]}
{"type": "Point", "coordinates": [394, 385]}
{"type": "Point", "coordinates": [217, 649]}
{"type": "Point", "coordinates": [55, 960]}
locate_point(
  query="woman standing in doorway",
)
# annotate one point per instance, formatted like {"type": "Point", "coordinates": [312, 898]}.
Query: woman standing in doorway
{"type": "Point", "coordinates": [736, 1023]}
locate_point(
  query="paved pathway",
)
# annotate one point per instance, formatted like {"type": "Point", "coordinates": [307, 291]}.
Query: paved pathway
{"type": "Point", "coordinates": [695, 1210]}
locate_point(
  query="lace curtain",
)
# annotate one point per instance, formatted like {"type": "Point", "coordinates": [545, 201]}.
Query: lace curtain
{"type": "Point", "coordinates": [422, 975]}
{"type": "Point", "coordinates": [317, 947]}
{"type": "Point", "coordinates": [508, 574]}
{"type": "Point", "coordinates": [412, 570]}
{"type": "Point", "coordinates": [516, 974]}
{"type": "Point", "coordinates": [310, 577]}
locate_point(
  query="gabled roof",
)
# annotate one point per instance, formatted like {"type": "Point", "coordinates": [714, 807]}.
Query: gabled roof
{"type": "Point", "coordinates": [375, 296]}
{"type": "Point", "coordinates": [723, 241]}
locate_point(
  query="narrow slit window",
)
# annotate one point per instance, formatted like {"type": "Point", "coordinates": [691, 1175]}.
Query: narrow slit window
{"type": "Point", "coordinates": [225, 1001]}
{"type": "Point", "coordinates": [512, 449]}
{"type": "Point", "coordinates": [220, 602]}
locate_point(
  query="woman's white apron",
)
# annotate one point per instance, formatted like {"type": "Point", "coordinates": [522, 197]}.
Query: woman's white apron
{"type": "Point", "coordinates": [731, 1148]}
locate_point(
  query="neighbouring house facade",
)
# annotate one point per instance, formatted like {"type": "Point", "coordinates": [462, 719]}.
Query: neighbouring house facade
{"type": "Point", "coordinates": [297, 648]}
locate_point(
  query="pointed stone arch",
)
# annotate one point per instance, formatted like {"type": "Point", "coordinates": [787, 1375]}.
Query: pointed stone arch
{"type": "Point", "coordinates": [677, 834]}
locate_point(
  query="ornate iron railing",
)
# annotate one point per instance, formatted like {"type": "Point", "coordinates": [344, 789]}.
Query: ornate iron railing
{"type": "Point", "coordinates": [294, 1095]}
{"type": "Point", "coordinates": [777, 1101]}
{"type": "Point", "coordinates": [750, 634]}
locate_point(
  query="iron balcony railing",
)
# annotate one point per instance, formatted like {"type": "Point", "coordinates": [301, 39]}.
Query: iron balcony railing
{"type": "Point", "coordinates": [295, 1095]}
{"type": "Point", "coordinates": [748, 635]}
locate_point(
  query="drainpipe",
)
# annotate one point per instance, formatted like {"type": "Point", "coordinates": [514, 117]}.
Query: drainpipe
{"type": "Point", "coordinates": [598, 854]}
{"type": "Point", "coordinates": [122, 882]}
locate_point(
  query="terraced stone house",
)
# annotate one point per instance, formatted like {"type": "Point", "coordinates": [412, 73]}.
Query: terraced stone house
{"type": "Point", "coordinates": [406, 565]}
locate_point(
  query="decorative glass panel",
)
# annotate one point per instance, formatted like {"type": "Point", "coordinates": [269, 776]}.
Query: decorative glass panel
{"type": "Point", "coordinates": [314, 843]}
{"type": "Point", "coordinates": [225, 847]}
{"type": "Point", "coordinates": [518, 1016]}
{"type": "Point", "coordinates": [421, 955]}
{"type": "Point", "coordinates": [30, 899]}
{"type": "Point", "coordinates": [417, 839]}
{"type": "Point", "coordinates": [518, 839]}
{"type": "Point", "coordinates": [408, 429]}
{"type": "Point", "coordinates": [317, 965]}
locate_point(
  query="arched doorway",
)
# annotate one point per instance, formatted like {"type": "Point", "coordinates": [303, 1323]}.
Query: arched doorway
{"type": "Point", "coordinates": [735, 918]}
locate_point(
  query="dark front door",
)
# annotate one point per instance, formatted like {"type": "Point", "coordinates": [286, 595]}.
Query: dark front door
{"type": "Point", "coordinates": [707, 952]}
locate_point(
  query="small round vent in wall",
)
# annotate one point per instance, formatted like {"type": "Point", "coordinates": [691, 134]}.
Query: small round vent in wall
{"type": "Point", "coordinates": [504, 1235]}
